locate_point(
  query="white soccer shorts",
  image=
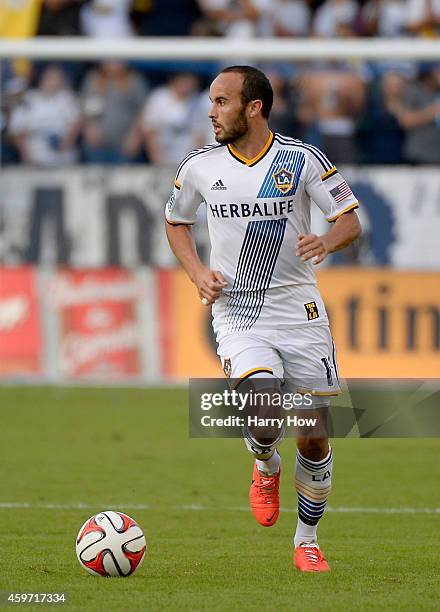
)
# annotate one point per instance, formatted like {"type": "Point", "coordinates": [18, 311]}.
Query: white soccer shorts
{"type": "Point", "coordinates": [304, 357]}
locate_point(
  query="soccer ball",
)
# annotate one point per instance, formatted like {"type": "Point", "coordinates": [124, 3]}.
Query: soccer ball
{"type": "Point", "coordinates": [110, 544]}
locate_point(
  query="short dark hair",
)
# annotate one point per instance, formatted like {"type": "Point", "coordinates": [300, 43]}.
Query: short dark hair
{"type": "Point", "coordinates": [256, 86]}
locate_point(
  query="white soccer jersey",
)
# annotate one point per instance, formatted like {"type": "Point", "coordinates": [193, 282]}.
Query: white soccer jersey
{"type": "Point", "coordinates": [256, 209]}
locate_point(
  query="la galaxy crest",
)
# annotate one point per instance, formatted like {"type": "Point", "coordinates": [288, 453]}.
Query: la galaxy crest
{"type": "Point", "coordinates": [283, 180]}
{"type": "Point", "coordinates": [283, 175]}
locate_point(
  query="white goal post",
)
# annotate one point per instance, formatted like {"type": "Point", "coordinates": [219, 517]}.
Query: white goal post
{"type": "Point", "coordinates": [192, 48]}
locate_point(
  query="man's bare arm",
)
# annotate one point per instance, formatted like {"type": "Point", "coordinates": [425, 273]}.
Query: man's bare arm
{"type": "Point", "coordinates": [209, 283]}
{"type": "Point", "coordinates": [343, 231]}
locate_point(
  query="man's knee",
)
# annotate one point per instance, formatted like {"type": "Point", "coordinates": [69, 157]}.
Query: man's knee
{"type": "Point", "coordinates": [264, 428]}
{"type": "Point", "coordinates": [314, 449]}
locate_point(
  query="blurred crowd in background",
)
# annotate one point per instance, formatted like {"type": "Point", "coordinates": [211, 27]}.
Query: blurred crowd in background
{"type": "Point", "coordinates": [115, 112]}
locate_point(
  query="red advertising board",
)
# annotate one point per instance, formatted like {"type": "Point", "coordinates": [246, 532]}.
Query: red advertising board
{"type": "Point", "coordinates": [99, 331]}
{"type": "Point", "coordinates": [20, 334]}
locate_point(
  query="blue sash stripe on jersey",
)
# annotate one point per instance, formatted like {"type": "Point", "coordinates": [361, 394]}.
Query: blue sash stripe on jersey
{"type": "Point", "coordinates": [265, 237]}
{"type": "Point", "coordinates": [258, 255]}
{"type": "Point", "coordinates": [292, 161]}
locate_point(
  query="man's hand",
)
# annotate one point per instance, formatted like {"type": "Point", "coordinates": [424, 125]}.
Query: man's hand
{"type": "Point", "coordinates": [210, 284]}
{"type": "Point", "coordinates": [311, 246]}
{"type": "Point", "coordinates": [343, 231]}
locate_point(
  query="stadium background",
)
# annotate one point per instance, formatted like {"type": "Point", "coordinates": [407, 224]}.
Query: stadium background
{"type": "Point", "coordinates": [88, 288]}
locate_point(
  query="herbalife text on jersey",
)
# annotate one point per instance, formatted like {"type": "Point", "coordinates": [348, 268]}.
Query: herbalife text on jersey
{"type": "Point", "coordinates": [275, 208]}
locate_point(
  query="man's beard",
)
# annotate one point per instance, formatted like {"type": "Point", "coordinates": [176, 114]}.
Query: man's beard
{"type": "Point", "coordinates": [238, 129]}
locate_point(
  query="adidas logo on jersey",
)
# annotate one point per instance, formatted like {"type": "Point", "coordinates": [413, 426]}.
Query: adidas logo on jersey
{"type": "Point", "coordinates": [218, 186]}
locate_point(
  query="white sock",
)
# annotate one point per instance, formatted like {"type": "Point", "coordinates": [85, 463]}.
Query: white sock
{"type": "Point", "coordinates": [313, 485]}
{"type": "Point", "coordinates": [270, 466]}
{"type": "Point", "coordinates": [305, 534]}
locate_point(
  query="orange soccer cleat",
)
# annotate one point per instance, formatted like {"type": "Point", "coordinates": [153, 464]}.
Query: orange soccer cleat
{"type": "Point", "coordinates": [264, 497]}
{"type": "Point", "coordinates": [309, 558]}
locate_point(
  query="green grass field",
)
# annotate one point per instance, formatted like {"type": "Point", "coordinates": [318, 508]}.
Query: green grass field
{"type": "Point", "coordinates": [122, 448]}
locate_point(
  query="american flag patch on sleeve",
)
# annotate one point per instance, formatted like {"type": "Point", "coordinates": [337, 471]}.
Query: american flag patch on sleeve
{"type": "Point", "coordinates": [341, 191]}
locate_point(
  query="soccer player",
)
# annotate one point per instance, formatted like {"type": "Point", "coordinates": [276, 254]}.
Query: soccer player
{"type": "Point", "coordinates": [268, 315]}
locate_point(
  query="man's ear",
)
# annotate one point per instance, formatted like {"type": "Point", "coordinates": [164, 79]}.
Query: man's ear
{"type": "Point", "coordinates": [254, 108]}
